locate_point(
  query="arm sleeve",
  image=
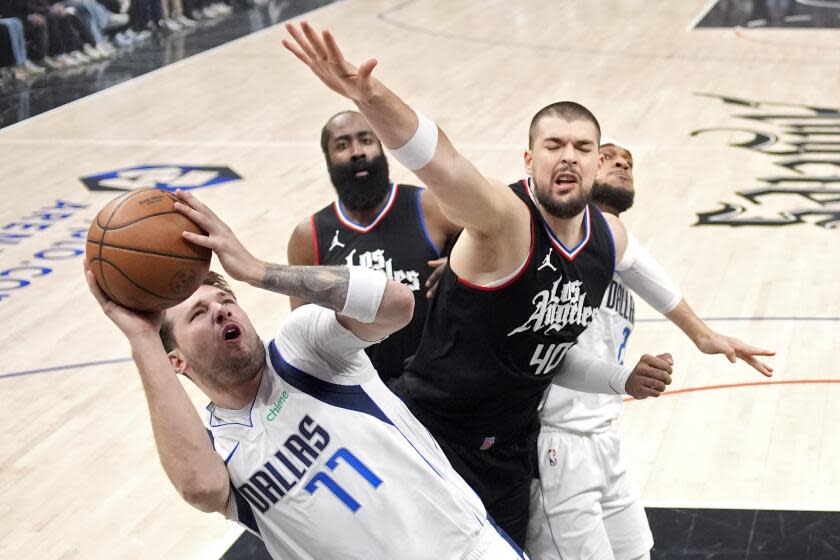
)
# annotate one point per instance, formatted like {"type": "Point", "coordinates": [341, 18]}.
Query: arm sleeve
{"type": "Point", "coordinates": [647, 278]}
{"type": "Point", "coordinates": [312, 340]}
{"type": "Point", "coordinates": [582, 371]}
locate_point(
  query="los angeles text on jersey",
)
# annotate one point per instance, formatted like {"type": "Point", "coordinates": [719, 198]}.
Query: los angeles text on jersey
{"type": "Point", "coordinates": [288, 466]}
{"type": "Point", "coordinates": [375, 260]}
{"type": "Point", "coordinates": [564, 304]}
{"type": "Point", "coordinates": [621, 301]}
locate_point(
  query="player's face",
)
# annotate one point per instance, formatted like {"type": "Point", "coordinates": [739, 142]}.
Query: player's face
{"type": "Point", "coordinates": [216, 338]}
{"type": "Point", "coordinates": [563, 163]}
{"type": "Point", "coordinates": [351, 138]}
{"type": "Point", "coordinates": [358, 168]}
{"type": "Point", "coordinates": [614, 190]}
{"type": "Point", "coordinates": [617, 170]}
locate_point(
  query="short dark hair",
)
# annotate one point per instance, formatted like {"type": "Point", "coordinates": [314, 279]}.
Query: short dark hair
{"type": "Point", "coordinates": [325, 134]}
{"type": "Point", "coordinates": [167, 337]}
{"type": "Point", "coordinates": [568, 110]}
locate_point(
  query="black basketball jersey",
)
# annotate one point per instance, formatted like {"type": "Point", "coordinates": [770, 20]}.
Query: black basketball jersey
{"type": "Point", "coordinates": [488, 353]}
{"type": "Point", "coordinates": [397, 243]}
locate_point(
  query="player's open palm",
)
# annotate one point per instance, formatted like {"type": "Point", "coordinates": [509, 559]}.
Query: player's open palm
{"type": "Point", "coordinates": [650, 377]}
{"type": "Point", "coordinates": [321, 54]}
{"type": "Point", "coordinates": [131, 323]}
{"type": "Point", "coordinates": [235, 258]}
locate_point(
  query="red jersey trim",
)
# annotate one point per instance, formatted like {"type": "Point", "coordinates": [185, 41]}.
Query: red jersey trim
{"type": "Point", "coordinates": [315, 240]}
{"type": "Point", "coordinates": [512, 280]}
{"type": "Point", "coordinates": [349, 224]}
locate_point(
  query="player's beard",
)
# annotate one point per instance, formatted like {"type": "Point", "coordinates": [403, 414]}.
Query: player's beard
{"type": "Point", "coordinates": [226, 368]}
{"type": "Point", "coordinates": [361, 193]}
{"type": "Point", "coordinates": [565, 209]}
{"type": "Point", "coordinates": [618, 199]}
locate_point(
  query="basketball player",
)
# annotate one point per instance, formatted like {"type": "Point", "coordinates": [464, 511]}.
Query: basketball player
{"type": "Point", "coordinates": [584, 506]}
{"type": "Point", "coordinates": [524, 279]}
{"type": "Point", "coordinates": [398, 229]}
{"type": "Point", "coordinates": [307, 448]}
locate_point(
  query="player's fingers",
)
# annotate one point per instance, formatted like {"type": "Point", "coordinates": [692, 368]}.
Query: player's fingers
{"type": "Point", "coordinates": [657, 362]}
{"type": "Point", "coordinates": [648, 371]}
{"type": "Point", "coordinates": [366, 68]}
{"type": "Point", "coordinates": [314, 40]}
{"type": "Point", "coordinates": [754, 350]}
{"type": "Point", "coordinates": [296, 50]}
{"type": "Point", "coordinates": [94, 288]}
{"type": "Point", "coordinates": [667, 357]}
{"type": "Point", "coordinates": [334, 53]}
{"type": "Point", "coordinates": [301, 41]}
{"type": "Point", "coordinates": [199, 218]}
{"type": "Point", "coordinates": [201, 240]}
{"type": "Point", "coordinates": [652, 383]}
{"type": "Point", "coordinates": [759, 366]}
{"type": "Point", "coordinates": [645, 392]}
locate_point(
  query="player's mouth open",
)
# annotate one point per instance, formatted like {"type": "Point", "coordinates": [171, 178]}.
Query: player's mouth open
{"type": "Point", "coordinates": [362, 173]}
{"type": "Point", "coordinates": [231, 333]}
{"type": "Point", "coordinates": [565, 181]}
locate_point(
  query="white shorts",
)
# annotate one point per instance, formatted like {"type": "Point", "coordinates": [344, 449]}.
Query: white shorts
{"type": "Point", "coordinates": [584, 506]}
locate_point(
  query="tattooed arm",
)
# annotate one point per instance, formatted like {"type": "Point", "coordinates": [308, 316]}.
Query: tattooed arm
{"type": "Point", "coordinates": [326, 286]}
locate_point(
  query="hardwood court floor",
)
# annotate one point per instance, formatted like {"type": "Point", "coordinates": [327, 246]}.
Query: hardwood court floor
{"type": "Point", "coordinates": [78, 471]}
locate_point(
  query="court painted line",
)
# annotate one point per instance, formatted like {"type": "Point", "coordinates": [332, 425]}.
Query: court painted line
{"type": "Point", "coordinates": [65, 367]}
{"type": "Point", "coordinates": [651, 320]}
{"type": "Point", "coordinates": [739, 386]}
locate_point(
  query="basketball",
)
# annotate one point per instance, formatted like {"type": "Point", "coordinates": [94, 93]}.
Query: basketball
{"type": "Point", "coordinates": [137, 253]}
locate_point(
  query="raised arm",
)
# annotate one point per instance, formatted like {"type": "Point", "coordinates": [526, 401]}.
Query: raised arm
{"type": "Point", "coordinates": [643, 275]}
{"type": "Point", "coordinates": [366, 302]}
{"type": "Point", "coordinates": [482, 206]}
{"type": "Point", "coordinates": [301, 252]}
{"type": "Point", "coordinates": [186, 454]}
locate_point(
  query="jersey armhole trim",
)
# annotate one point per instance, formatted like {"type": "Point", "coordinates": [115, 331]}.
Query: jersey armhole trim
{"type": "Point", "coordinates": [515, 276]}
{"type": "Point", "coordinates": [315, 241]}
{"type": "Point", "coordinates": [423, 224]}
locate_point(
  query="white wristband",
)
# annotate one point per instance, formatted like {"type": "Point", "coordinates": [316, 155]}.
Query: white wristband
{"type": "Point", "coordinates": [419, 151]}
{"type": "Point", "coordinates": [364, 294]}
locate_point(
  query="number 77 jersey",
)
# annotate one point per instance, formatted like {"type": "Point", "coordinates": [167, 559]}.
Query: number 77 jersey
{"type": "Point", "coordinates": [326, 462]}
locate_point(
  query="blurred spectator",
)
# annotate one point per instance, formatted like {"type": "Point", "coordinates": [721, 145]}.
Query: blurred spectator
{"type": "Point", "coordinates": [13, 50]}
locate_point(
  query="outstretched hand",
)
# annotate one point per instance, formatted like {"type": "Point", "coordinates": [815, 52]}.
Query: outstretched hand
{"type": "Point", "coordinates": [321, 53]}
{"type": "Point", "coordinates": [235, 258]}
{"type": "Point", "coordinates": [131, 323]}
{"type": "Point", "coordinates": [733, 348]}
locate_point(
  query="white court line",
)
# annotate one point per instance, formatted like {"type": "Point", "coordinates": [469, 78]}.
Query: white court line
{"type": "Point", "coordinates": [706, 9]}
{"type": "Point", "coordinates": [167, 68]}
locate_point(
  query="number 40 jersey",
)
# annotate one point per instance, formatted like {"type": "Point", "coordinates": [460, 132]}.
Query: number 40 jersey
{"type": "Point", "coordinates": [326, 462]}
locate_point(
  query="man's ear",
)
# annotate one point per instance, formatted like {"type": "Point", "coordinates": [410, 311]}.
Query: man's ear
{"type": "Point", "coordinates": [179, 363]}
{"type": "Point", "coordinates": [528, 158]}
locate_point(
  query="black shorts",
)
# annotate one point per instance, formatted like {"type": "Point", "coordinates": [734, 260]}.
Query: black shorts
{"type": "Point", "coordinates": [501, 476]}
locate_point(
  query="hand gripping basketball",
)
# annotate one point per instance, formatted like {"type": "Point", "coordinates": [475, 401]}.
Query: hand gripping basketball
{"type": "Point", "coordinates": [324, 58]}
{"type": "Point", "coordinates": [235, 258]}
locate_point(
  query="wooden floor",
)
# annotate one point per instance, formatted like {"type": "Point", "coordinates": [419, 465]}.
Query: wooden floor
{"type": "Point", "coordinates": [79, 477]}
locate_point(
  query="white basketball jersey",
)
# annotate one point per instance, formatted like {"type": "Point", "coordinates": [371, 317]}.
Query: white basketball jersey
{"type": "Point", "coordinates": [606, 338]}
{"type": "Point", "coordinates": [328, 463]}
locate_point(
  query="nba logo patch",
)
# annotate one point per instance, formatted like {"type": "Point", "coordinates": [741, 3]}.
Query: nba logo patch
{"type": "Point", "coordinates": [488, 443]}
{"type": "Point", "coordinates": [552, 457]}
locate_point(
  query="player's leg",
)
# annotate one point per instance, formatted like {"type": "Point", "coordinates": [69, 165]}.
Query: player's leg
{"type": "Point", "coordinates": [624, 516]}
{"type": "Point", "coordinates": [566, 517]}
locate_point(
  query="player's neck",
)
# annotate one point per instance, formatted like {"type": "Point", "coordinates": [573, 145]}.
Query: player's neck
{"type": "Point", "coordinates": [569, 231]}
{"type": "Point", "coordinates": [237, 396]}
{"type": "Point", "coordinates": [607, 209]}
{"type": "Point", "coordinates": [365, 217]}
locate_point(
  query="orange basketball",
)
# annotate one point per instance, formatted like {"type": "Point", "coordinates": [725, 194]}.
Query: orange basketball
{"type": "Point", "coordinates": [137, 254]}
